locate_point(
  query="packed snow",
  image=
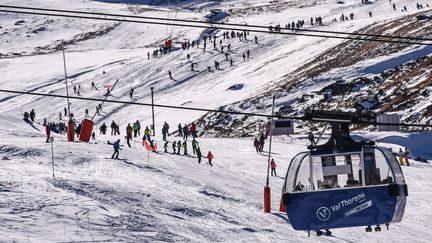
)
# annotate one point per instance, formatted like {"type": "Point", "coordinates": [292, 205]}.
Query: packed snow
{"type": "Point", "coordinates": [164, 197]}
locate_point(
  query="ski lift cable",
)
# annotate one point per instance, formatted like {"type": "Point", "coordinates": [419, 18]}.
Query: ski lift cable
{"type": "Point", "coordinates": [406, 40]}
{"type": "Point", "coordinates": [347, 121]}
{"type": "Point", "coordinates": [221, 24]}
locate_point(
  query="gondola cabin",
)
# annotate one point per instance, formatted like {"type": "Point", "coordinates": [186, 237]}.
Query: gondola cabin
{"type": "Point", "coordinates": [344, 183]}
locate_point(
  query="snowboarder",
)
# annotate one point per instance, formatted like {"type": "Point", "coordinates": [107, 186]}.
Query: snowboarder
{"type": "Point", "coordinates": [32, 115]}
{"type": "Point", "coordinates": [257, 146]}
{"type": "Point", "coordinates": [199, 155]}
{"type": "Point", "coordinates": [311, 138]}
{"type": "Point", "coordinates": [194, 145]}
{"type": "Point", "coordinates": [210, 157]}
{"type": "Point", "coordinates": [117, 149]}
{"type": "Point", "coordinates": [273, 167]}
{"type": "Point", "coordinates": [48, 133]}
{"type": "Point", "coordinates": [128, 134]}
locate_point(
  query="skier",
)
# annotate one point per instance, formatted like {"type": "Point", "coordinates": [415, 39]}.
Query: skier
{"type": "Point", "coordinates": [135, 129]}
{"type": "Point", "coordinates": [138, 126]}
{"type": "Point", "coordinates": [261, 141]}
{"type": "Point", "coordinates": [116, 146]}
{"type": "Point", "coordinates": [60, 116]}
{"type": "Point", "coordinates": [199, 155]}
{"type": "Point", "coordinates": [174, 147]}
{"type": "Point", "coordinates": [231, 62]}
{"type": "Point", "coordinates": [256, 40]}
{"type": "Point", "coordinates": [93, 136]}
{"type": "Point", "coordinates": [210, 157]}
{"type": "Point", "coordinates": [103, 129]}
{"type": "Point", "coordinates": [32, 115]}
{"type": "Point", "coordinates": [113, 128]}
{"type": "Point", "coordinates": [185, 132]}
{"type": "Point", "coordinates": [147, 133]}
{"type": "Point", "coordinates": [164, 133]}
{"type": "Point", "coordinates": [370, 14]}
{"type": "Point", "coordinates": [257, 146]}
{"type": "Point", "coordinates": [185, 147]}
{"type": "Point", "coordinates": [194, 145]}
{"type": "Point", "coordinates": [406, 154]}
{"type": "Point", "coordinates": [188, 56]}
{"type": "Point", "coordinates": [65, 111]}
{"type": "Point", "coordinates": [248, 53]}
{"type": "Point", "coordinates": [401, 157]}
{"type": "Point", "coordinates": [93, 86]}
{"type": "Point", "coordinates": [273, 167]}
{"type": "Point", "coordinates": [192, 66]}
{"type": "Point", "coordinates": [48, 133]}
{"type": "Point", "coordinates": [166, 147]}
{"type": "Point", "coordinates": [128, 134]}
{"type": "Point", "coordinates": [170, 75]}
{"type": "Point", "coordinates": [193, 130]}
{"type": "Point", "coordinates": [178, 146]}
{"type": "Point", "coordinates": [244, 57]}
{"type": "Point", "coordinates": [311, 138]}
{"type": "Point", "coordinates": [131, 91]}
{"type": "Point", "coordinates": [78, 130]}
{"type": "Point", "coordinates": [180, 130]}
{"type": "Point", "coordinates": [86, 113]}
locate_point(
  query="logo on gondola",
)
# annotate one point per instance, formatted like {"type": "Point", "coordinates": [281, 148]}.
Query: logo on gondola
{"type": "Point", "coordinates": [323, 213]}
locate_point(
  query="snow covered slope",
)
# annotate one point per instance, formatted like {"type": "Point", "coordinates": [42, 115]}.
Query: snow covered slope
{"type": "Point", "coordinates": [172, 198]}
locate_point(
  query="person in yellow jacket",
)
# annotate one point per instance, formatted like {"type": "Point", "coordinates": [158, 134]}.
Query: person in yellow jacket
{"type": "Point", "coordinates": [147, 133]}
{"type": "Point", "coordinates": [401, 157]}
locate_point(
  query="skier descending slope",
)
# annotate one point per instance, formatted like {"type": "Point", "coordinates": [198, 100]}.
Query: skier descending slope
{"type": "Point", "coordinates": [117, 149]}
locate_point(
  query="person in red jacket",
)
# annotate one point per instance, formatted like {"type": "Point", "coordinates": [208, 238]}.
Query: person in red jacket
{"type": "Point", "coordinates": [48, 132]}
{"type": "Point", "coordinates": [273, 167]}
{"type": "Point", "coordinates": [210, 157]}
